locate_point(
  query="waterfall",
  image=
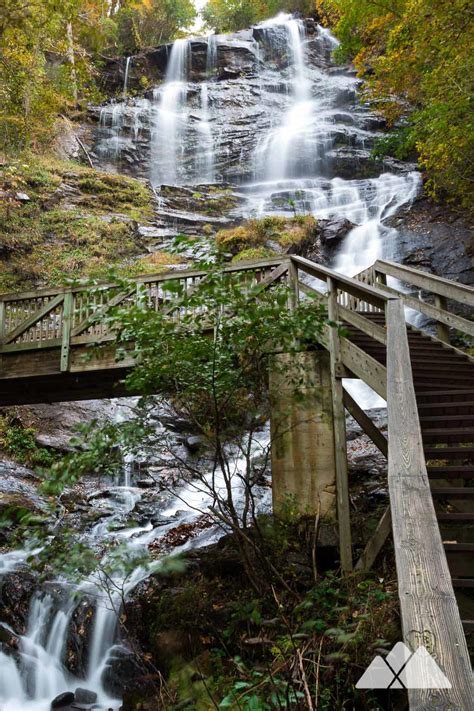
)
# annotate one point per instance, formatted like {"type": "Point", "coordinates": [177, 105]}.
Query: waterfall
{"type": "Point", "coordinates": [205, 149]}
{"type": "Point", "coordinates": [281, 151]}
{"type": "Point", "coordinates": [170, 117]}
{"type": "Point", "coordinates": [125, 81]}
{"type": "Point", "coordinates": [211, 55]}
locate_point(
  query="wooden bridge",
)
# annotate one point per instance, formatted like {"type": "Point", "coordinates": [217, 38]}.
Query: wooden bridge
{"type": "Point", "coordinates": [56, 345]}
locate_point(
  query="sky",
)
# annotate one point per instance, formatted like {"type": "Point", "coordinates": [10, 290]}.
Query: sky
{"type": "Point", "coordinates": [198, 24]}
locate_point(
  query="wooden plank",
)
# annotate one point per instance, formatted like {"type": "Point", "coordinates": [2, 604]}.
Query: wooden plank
{"type": "Point", "coordinates": [367, 326]}
{"type": "Point", "coordinates": [430, 282]}
{"type": "Point", "coordinates": [429, 611]}
{"type": "Point", "coordinates": [68, 307]}
{"type": "Point", "coordinates": [30, 346]}
{"type": "Point", "coordinates": [442, 329]}
{"type": "Point", "coordinates": [364, 367]}
{"type": "Point", "coordinates": [34, 318]}
{"type": "Point", "coordinates": [444, 318]}
{"type": "Point", "coordinates": [375, 544]}
{"type": "Point", "coordinates": [366, 423]}
{"type": "Point", "coordinates": [340, 444]}
{"type": "Point", "coordinates": [368, 293]}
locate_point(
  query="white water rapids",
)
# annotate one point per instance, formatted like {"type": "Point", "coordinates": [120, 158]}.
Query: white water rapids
{"type": "Point", "coordinates": [293, 161]}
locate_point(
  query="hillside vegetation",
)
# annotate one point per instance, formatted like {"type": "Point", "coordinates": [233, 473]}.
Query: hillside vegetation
{"type": "Point", "coordinates": [417, 62]}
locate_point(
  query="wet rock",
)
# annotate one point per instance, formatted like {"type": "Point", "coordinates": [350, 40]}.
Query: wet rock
{"type": "Point", "coordinates": [195, 443]}
{"type": "Point", "coordinates": [63, 701]}
{"type": "Point", "coordinates": [332, 232]}
{"type": "Point", "coordinates": [235, 58]}
{"type": "Point", "coordinates": [57, 424]}
{"type": "Point", "coordinates": [435, 239]}
{"type": "Point", "coordinates": [85, 696]}
{"type": "Point", "coordinates": [16, 589]}
{"type": "Point", "coordinates": [145, 483]}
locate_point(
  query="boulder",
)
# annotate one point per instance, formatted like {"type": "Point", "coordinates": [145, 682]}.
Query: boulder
{"type": "Point", "coordinates": [235, 58]}
{"type": "Point", "coordinates": [85, 696]}
{"type": "Point", "coordinates": [333, 231]}
{"type": "Point", "coordinates": [63, 701]}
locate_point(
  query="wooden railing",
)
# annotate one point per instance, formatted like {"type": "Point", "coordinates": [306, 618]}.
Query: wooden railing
{"type": "Point", "coordinates": [428, 294]}
{"type": "Point", "coordinates": [64, 319]}
{"type": "Point", "coordinates": [73, 316]}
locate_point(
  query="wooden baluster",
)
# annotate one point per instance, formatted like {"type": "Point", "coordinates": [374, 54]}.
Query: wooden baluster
{"type": "Point", "coordinates": [441, 328]}
{"type": "Point", "coordinates": [68, 307]}
{"type": "Point", "coordinates": [340, 446]}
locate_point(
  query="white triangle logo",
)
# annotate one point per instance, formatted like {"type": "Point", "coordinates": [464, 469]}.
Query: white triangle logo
{"type": "Point", "coordinates": [403, 669]}
{"type": "Point", "coordinates": [422, 672]}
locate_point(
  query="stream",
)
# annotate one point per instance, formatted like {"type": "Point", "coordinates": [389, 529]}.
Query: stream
{"type": "Point", "coordinates": [294, 133]}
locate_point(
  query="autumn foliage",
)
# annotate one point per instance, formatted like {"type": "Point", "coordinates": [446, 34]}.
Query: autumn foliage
{"type": "Point", "coordinates": [417, 61]}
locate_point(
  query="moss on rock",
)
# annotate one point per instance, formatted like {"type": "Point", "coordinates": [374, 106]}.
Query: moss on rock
{"type": "Point", "coordinates": [274, 233]}
{"type": "Point", "coordinates": [60, 220]}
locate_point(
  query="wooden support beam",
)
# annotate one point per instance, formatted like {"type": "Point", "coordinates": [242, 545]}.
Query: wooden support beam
{"type": "Point", "coordinates": [68, 307]}
{"type": "Point", "coordinates": [340, 445]}
{"type": "Point", "coordinates": [366, 423]}
{"type": "Point", "coordinates": [375, 544]}
{"type": "Point", "coordinates": [429, 611]}
{"type": "Point", "coordinates": [364, 367]}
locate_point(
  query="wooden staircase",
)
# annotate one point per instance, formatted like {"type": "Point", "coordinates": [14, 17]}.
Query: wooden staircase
{"type": "Point", "coordinates": [60, 344]}
{"type": "Point", "coordinates": [444, 385]}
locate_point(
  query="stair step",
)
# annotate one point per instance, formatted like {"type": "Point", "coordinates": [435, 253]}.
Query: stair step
{"type": "Point", "coordinates": [457, 407]}
{"type": "Point", "coordinates": [463, 582]}
{"type": "Point", "coordinates": [454, 492]}
{"type": "Point", "coordinates": [468, 625]}
{"type": "Point", "coordinates": [434, 419]}
{"type": "Point", "coordinates": [451, 434]}
{"type": "Point", "coordinates": [449, 395]}
{"type": "Point", "coordinates": [458, 547]}
{"type": "Point", "coordinates": [456, 517]}
{"type": "Point", "coordinates": [449, 452]}
{"type": "Point", "coordinates": [447, 472]}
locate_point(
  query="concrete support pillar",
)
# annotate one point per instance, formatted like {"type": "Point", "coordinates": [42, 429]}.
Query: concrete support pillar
{"type": "Point", "coordinates": [302, 429]}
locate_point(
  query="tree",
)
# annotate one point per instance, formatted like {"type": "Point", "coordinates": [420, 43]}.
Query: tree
{"type": "Point", "coordinates": [232, 15]}
{"type": "Point", "coordinates": [206, 358]}
{"type": "Point", "coordinates": [147, 23]}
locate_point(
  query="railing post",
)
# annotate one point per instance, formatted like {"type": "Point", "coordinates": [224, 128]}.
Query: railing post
{"type": "Point", "coordinates": [293, 283]}
{"type": "Point", "coordinates": [441, 328]}
{"type": "Point", "coordinates": [340, 445]}
{"type": "Point", "coordinates": [68, 305]}
{"type": "Point", "coordinates": [2, 327]}
{"type": "Point", "coordinates": [429, 611]}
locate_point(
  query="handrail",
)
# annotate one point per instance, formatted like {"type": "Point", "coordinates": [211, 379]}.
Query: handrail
{"type": "Point", "coordinates": [374, 295]}
{"type": "Point", "coordinates": [142, 279]}
{"type": "Point", "coordinates": [429, 611]}
{"type": "Point", "coordinates": [436, 284]}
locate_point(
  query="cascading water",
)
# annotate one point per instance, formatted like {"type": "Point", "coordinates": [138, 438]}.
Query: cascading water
{"type": "Point", "coordinates": [125, 80]}
{"type": "Point", "coordinates": [31, 679]}
{"type": "Point", "coordinates": [170, 118]}
{"type": "Point", "coordinates": [206, 155]}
